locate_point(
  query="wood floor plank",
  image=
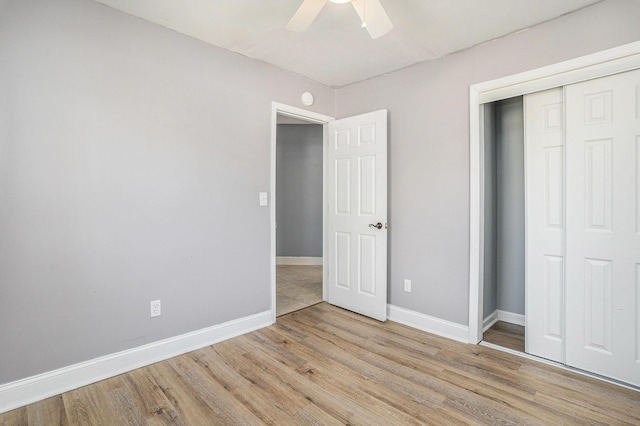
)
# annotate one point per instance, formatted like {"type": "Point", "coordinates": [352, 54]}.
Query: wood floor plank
{"type": "Point", "coordinates": [585, 394]}
{"type": "Point", "coordinates": [507, 335]}
{"type": "Point", "coordinates": [186, 401]}
{"type": "Point", "coordinates": [455, 417]}
{"type": "Point", "coordinates": [424, 377]}
{"type": "Point", "coordinates": [226, 409]}
{"type": "Point", "coordinates": [583, 414]}
{"type": "Point", "coordinates": [119, 400]}
{"type": "Point", "coordinates": [581, 394]}
{"type": "Point", "coordinates": [358, 355]}
{"type": "Point", "coordinates": [345, 320]}
{"type": "Point", "coordinates": [290, 391]}
{"type": "Point", "coordinates": [78, 412]}
{"type": "Point", "coordinates": [17, 417]}
{"type": "Point", "coordinates": [352, 386]}
{"type": "Point", "coordinates": [327, 366]}
{"type": "Point", "coordinates": [344, 363]}
{"type": "Point", "coordinates": [154, 404]}
{"type": "Point", "coordinates": [48, 411]}
{"type": "Point", "coordinates": [385, 356]}
{"type": "Point", "coordinates": [490, 370]}
{"type": "Point", "coordinates": [314, 415]}
{"type": "Point", "coordinates": [263, 378]}
{"type": "Point", "coordinates": [107, 402]}
{"type": "Point", "coordinates": [404, 396]}
{"type": "Point", "coordinates": [523, 407]}
{"type": "Point", "coordinates": [363, 343]}
{"type": "Point", "coordinates": [245, 392]}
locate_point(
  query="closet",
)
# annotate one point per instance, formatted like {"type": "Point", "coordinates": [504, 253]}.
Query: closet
{"type": "Point", "coordinates": [582, 269]}
{"type": "Point", "coordinates": [504, 224]}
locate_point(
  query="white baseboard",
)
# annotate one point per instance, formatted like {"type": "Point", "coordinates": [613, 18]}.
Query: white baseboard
{"type": "Point", "coordinates": [490, 320]}
{"type": "Point", "coordinates": [510, 317]}
{"type": "Point", "coordinates": [433, 325]}
{"type": "Point", "coordinates": [498, 315]}
{"type": "Point", "coordinates": [298, 260]}
{"type": "Point", "coordinates": [26, 391]}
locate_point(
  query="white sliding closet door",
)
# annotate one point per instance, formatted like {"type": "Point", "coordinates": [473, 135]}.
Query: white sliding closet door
{"type": "Point", "coordinates": [603, 226]}
{"type": "Point", "coordinates": [544, 148]}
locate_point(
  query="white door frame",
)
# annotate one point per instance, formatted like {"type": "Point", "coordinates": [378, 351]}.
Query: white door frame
{"type": "Point", "coordinates": [291, 111]}
{"type": "Point", "coordinates": [600, 64]}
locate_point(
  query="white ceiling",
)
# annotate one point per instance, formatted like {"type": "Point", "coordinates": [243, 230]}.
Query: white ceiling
{"type": "Point", "coordinates": [335, 50]}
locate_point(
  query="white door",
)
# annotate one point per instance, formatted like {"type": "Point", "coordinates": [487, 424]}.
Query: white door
{"type": "Point", "coordinates": [544, 276]}
{"type": "Point", "coordinates": [603, 226]}
{"type": "Point", "coordinates": [357, 214]}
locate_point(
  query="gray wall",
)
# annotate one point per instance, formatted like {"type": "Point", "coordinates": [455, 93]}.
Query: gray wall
{"type": "Point", "coordinates": [510, 208]}
{"type": "Point", "coordinates": [130, 171]}
{"type": "Point", "coordinates": [299, 190]}
{"type": "Point", "coordinates": [429, 145]}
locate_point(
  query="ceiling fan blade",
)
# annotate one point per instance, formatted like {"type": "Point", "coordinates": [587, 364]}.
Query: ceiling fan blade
{"type": "Point", "coordinates": [305, 15]}
{"type": "Point", "coordinates": [372, 12]}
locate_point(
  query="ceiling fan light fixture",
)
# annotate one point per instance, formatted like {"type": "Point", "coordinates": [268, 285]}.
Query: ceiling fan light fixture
{"type": "Point", "coordinates": [371, 13]}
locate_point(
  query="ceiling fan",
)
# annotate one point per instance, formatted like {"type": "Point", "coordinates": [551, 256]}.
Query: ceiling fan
{"type": "Point", "coordinates": [371, 13]}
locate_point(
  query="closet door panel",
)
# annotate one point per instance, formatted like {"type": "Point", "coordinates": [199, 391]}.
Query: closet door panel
{"type": "Point", "coordinates": [602, 238]}
{"type": "Point", "coordinates": [544, 276]}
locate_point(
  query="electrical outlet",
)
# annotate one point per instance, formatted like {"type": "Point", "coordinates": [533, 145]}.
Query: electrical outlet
{"type": "Point", "coordinates": [155, 308]}
{"type": "Point", "coordinates": [407, 286]}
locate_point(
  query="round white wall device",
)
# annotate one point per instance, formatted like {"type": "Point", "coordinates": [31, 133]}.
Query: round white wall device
{"type": "Point", "coordinates": [307, 99]}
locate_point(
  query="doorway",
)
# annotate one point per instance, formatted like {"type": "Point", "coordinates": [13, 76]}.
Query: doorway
{"type": "Point", "coordinates": [287, 113]}
{"type": "Point", "coordinates": [504, 225]}
{"type": "Point", "coordinates": [354, 222]}
{"type": "Point", "coordinates": [299, 185]}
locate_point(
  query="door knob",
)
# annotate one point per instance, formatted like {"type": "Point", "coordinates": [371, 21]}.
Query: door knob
{"type": "Point", "coordinates": [377, 225]}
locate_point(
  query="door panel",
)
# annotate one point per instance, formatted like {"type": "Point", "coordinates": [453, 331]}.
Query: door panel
{"type": "Point", "coordinates": [603, 242]}
{"type": "Point", "coordinates": [598, 181]}
{"type": "Point", "coordinates": [367, 257]}
{"type": "Point", "coordinates": [553, 296]}
{"type": "Point", "coordinates": [597, 289]}
{"type": "Point", "coordinates": [342, 188]}
{"type": "Point", "coordinates": [357, 161]}
{"type": "Point", "coordinates": [544, 277]}
{"type": "Point", "coordinates": [343, 260]}
{"type": "Point", "coordinates": [367, 189]}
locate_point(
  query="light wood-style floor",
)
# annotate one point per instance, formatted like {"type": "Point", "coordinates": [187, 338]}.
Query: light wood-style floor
{"type": "Point", "coordinates": [297, 286]}
{"type": "Point", "coordinates": [506, 335]}
{"type": "Point", "coordinates": [324, 366]}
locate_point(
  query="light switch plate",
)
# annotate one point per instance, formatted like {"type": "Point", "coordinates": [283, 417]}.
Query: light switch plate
{"type": "Point", "coordinates": [263, 199]}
